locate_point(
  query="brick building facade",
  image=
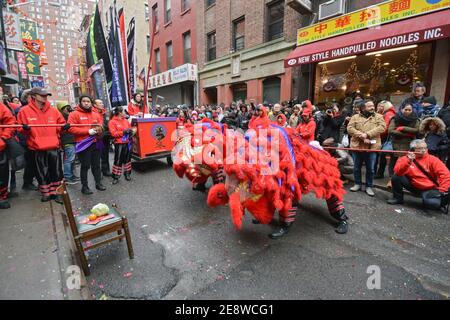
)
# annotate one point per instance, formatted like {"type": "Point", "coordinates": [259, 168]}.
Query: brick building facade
{"type": "Point", "coordinates": [174, 56]}
{"type": "Point", "coordinates": [251, 39]}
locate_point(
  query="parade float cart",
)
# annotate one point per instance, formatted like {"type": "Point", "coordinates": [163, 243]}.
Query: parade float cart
{"type": "Point", "coordinates": [153, 139]}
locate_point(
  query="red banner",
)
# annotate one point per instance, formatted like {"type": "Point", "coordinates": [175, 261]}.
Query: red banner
{"type": "Point", "coordinates": [35, 46]}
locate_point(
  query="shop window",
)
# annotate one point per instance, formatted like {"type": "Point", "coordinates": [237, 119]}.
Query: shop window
{"type": "Point", "coordinates": [271, 90]}
{"type": "Point", "coordinates": [275, 20]}
{"type": "Point", "coordinates": [211, 46]}
{"type": "Point", "coordinates": [240, 92]}
{"type": "Point", "coordinates": [388, 75]}
{"type": "Point", "coordinates": [239, 34]}
{"type": "Point", "coordinates": [187, 47]}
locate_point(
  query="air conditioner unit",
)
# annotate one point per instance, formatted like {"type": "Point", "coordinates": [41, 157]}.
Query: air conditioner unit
{"type": "Point", "coordinates": [302, 6]}
{"type": "Point", "coordinates": [331, 9]}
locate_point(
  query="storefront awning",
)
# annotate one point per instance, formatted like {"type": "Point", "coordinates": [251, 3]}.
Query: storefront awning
{"type": "Point", "coordinates": [398, 34]}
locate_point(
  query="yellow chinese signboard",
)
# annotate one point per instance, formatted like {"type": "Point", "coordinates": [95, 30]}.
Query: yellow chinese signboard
{"type": "Point", "coordinates": [373, 16]}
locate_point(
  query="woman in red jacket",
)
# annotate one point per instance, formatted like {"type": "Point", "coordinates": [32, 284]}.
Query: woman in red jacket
{"type": "Point", "coordinates": [122, 132]}
{"type": "Point", "coordinates": [135, 107]}
{"type": "Point", "coordinates": [307, 128]}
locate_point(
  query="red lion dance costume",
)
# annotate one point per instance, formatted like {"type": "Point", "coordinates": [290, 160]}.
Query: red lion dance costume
{"type": "Point", "coordinates": [252, 183]}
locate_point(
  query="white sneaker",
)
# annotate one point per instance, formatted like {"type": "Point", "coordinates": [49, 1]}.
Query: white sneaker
{"type": "Point", "coordinates": [370, 192]}
{"type": "Point", "coordinates": [355, 188]}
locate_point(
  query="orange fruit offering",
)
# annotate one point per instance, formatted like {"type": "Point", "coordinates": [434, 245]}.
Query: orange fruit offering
{"type": "Point", "coordinates": [92, 217]}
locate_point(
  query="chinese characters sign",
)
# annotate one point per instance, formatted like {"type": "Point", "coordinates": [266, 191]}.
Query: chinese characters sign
{"type": "Point", "coordinates": [12, 31]}
{"type": "Point", "coordinates": [186, 72]}
{"type": "Point", "coordinates": [22, 64]}
{"type": "Point", "coordinates": [29, 32]}
{"type": "Point", "coordinates": [373, 16]}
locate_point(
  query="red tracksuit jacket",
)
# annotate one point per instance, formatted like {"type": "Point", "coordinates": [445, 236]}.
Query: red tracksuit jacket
{"type": "Point", "coordinates": [420, 181]}
{"type": "Point", "coordinates": [307, 130]}
{"type": "Point", "coordinates": [116, 126]}
{"type": "Point", "coordinates": [45, 138]}
{"type": "Point", "coordinates": [6, 118]}
{"type": "Point", "coordinates": [81, 116]}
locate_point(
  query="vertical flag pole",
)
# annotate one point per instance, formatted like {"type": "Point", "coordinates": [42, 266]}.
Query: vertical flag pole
{"type": "Point", "coordinates": [149, 68]}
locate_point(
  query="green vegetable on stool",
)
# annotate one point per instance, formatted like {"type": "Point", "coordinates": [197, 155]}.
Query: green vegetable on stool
{"type": "Point", "coordinates": [100, 210]}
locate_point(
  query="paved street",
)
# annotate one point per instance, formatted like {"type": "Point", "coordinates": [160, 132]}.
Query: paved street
{"type": "Point", "coordinates": [185, 250]}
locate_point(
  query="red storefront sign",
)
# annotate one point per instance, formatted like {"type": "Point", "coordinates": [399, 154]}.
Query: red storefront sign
{"type": "Point", "coordinates": [432, 27]}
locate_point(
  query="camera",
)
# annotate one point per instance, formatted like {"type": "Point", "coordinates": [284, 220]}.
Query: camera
{"type": "Point", "coordinates": [329, 111]}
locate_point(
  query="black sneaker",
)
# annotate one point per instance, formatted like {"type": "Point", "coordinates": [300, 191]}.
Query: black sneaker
{"type": "Point", "coordinates": [199, 187]}
{"type": "Point", "coordinates": [45, 199]}
{"type": "Point", "coordinates": [100, 187]}
{"type": "Point", "coordinates": [57, 199]}
{"type": "Point", "coordinates": [72, 181]}
{"type": "Point", "coordinates": [127, 177]}
{"type": "Point", "coordinates": [29, 187]}
{"type": "Point", "coordinates": [4, 204]}
{"type": "Point", "coordinates": [342, 227]}
{"type": "Point", "coordinates": [280, 233]}
{"type": "Point", "coordinates": [394, 201]}
{"type": "Point", "coordinates": [254, 221]}
{"type": "Point", "coordinates": [115, 181]}
{"type": "Point", "coordinates": [86, 190]}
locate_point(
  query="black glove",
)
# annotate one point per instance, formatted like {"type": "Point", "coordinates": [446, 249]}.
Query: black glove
{"type": "Point", "coordinates": [125, 132]}
{"type": "Point", "coordinates": [26, 127]}
{"type": "Point", "coordinates": [130, 131]}
{"type": "Point", "coordinates": [66, 127]}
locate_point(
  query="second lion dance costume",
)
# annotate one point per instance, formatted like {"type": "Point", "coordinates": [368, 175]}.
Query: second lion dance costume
{"type": "Point", "coordinates": [303, 168]}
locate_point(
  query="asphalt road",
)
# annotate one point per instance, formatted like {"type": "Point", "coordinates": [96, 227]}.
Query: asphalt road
{"type": "Point", "coordinates": [185, 250]}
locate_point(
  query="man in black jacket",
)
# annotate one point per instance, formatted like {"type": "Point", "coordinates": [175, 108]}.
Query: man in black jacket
{"type": "Point", "coordinates": [331, 124]}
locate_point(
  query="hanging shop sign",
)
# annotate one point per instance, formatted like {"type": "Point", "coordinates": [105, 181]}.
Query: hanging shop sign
{"type": "Point", "coordinates": [32, 60]}
{"type": "Point", "coordinates": [373, 16]}
{"type": "Point", "coordinates": [12, 31]}
{"type": "Point", "coordinates": [374, 45]}
{"type": "Point", "coordinates": [186, 72]}
{"type": "Point", "coordinates": [22, 65]}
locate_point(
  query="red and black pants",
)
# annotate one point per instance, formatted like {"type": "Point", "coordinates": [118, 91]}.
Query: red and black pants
{"type": "Point", "coordinates": [4, 175]}
{"type": "Point", "coordinates": [48, 169]}
{"type": "Point", "coordinates": [122, 160]}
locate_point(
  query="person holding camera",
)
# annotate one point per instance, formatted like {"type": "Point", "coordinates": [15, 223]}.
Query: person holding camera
{"type": "Point", "coordinates": [331, 124]}
{"type": "Point", "coordinates": [365, 128]}
{"type": "Point", "coordinates": [86, 139]}
{"type": "Point", "coordinates": [424, 175]}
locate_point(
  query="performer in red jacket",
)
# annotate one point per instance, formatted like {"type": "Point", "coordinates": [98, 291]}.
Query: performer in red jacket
{"type": "Point", "coordinates": [88, 142]}
{"type": "Point", "coordinates": [122, 132]}
{"type": "Point", "coordinates": [135, 107]}
{"type": "Point", "coordinates": [6, 118]}
{"type": "Point", "coordinates": [422, 174]}
{"type": "Point", "coordinates": [307, 128]}
{"type": "Point", "coordinates": [44, 142]}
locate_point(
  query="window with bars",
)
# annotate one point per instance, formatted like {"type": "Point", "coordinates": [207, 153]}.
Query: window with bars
{"type": "Point", "coordinates": [187, 47]}
{"type": "Point", "coordinates": [169, 53]}
{"type": "Point", "coordinates": [147, 12]}
{"type": "Point", "coordinates": [275, 20]}
{"type": "Point", "coordinates": [239, 34]}
{"type": "Point", "coordinates": [167, 11]}
{"type": "Point", "coordinates": [209, 2]}
{"type": "Point", "coordinates": [211, 46]}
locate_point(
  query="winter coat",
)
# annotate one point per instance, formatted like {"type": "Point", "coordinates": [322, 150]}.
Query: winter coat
{"type": "Point", "coordinates": [331, 127]}
{"type": "Point", "coordinates": [134, 108]}
{"type": "Point", "coordinates": [6, 118]}
{"type": "Point", "coordinates": [387, 115]}
{"type": "Point", "coordinates": [42, 138]}
{"type": "Point", "coordinates": [430, 111]}
{"type": "Point", "coordinates": [116, 127]}
{"type": "Point", "coordinates": [438, 143]}
{"type": "Point", "coordinates": [373, 126]}
{"type": "Point", "coordinates": [294, 121]}
{"type": "Point", "coordinates": [415, 103]}
{"type": "Point", "coordinates": [432, 165]}
{"type": "Point", "coordinates": [402, 134]}
{"type": "Point", "coordinates": [444, 114]}
{"type": "Point", "coordinates": [307, 130]}
{"type": "Point", "coordinates": [82, 116]}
